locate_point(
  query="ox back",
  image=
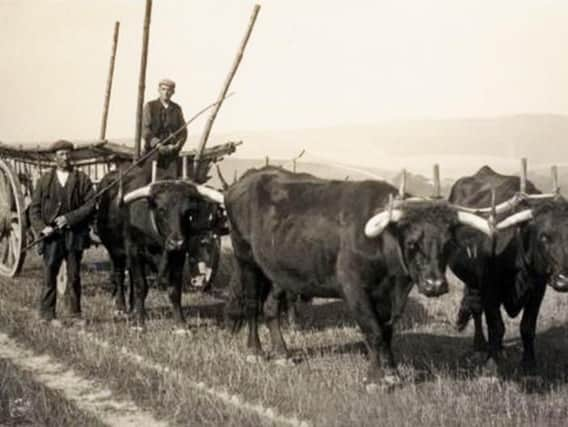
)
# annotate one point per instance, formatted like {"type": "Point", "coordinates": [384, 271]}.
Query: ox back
{"type": "Point", "coordinates": [295, 226]}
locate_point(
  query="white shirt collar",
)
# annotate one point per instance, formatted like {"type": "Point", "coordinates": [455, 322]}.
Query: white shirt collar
{"type": "Point", "coordinates": [62, 176]}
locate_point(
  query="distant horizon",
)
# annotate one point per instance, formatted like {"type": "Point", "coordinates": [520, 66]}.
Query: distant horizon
{"type": "Point", "coordinates": [380, 122]}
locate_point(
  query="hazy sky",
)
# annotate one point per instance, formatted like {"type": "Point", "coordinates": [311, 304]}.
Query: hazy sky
{"type": "Point", "coordinates": [309, 63]}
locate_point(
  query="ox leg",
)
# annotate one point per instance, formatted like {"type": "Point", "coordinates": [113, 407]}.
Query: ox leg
{"type": "Point", "coordinates": [528, 328]}
{"type": "Point", "coordinates": [382, 370]}
{"type": "Point", "coordinates": [140, 291]}
{"type": "Point", "coordinates": [250, 287]}
{"type": "Point", "coordinates": [272, 307]}
{"type": "Point", "coordinates": [479, 341]}
{"type": "Point", "coordinates": [176, 273]}
{"type": "Point", "coordinates": [130, 291]}
{"type": "Point", "coordinates": [117, 279]}
{"type": "Point", "coordinates": [496, 331]}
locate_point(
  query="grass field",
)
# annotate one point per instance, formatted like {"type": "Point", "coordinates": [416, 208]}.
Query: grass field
{"type": "Point", "coordinates": [325, 389]}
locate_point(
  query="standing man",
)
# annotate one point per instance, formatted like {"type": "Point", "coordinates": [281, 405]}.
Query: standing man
{"type": "Point", "coordinates": [62, 205]}
{"type": "Point", "coordinates": [163, 117]}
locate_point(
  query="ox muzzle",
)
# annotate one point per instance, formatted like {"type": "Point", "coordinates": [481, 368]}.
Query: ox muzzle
{"type": "Point", "coordinates": [559, 282]}
{"type": "Point", "coordinates": [433, 287]}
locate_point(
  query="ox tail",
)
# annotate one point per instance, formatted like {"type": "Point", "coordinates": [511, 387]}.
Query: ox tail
{"type": "Point", "coordinates": [245, 297]}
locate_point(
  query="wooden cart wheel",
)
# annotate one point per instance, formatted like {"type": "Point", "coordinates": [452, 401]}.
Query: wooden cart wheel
{"type": "Point", "coordinates": [12, 222]}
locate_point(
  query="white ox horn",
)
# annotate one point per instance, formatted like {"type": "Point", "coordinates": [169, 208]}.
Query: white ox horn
{"type": "Point", "coordinates": [379, 222]}
{"type": "Point", "coordinates": [515, 219]}
{"type": "Point", "coordinates": [476, 222]}
{"type": "Point", "coordinates": [211, 194]}
{"type": "Point", "coordinates": [139, 193]}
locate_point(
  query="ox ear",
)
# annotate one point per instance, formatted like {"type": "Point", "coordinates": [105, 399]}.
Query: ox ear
{"type": "Point", "coordinates": [394, 259]}
{"type": "Point", "coordinates": [472, 241]}
{"type": "Point", "coordinates": [503, 239]}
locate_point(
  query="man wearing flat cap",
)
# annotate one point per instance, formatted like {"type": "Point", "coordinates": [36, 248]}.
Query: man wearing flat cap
{"type": "Point", "coordinates": [61, 208]}
{"type": "Point", "coordinates": [162, 118]}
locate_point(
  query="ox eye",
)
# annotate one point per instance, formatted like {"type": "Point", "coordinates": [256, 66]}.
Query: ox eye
{"type": "Point", "coordinates": [545, 238]}
{"type": "Point", "coordinates": [412, 245]}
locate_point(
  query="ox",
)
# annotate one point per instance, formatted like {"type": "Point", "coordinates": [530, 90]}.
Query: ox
{"type": "Point", "coordinates": [150, 229]}
{"type": "Point", "coordinates": [512, 271]}
{"type": "Point", "coordinates": [334, 239]}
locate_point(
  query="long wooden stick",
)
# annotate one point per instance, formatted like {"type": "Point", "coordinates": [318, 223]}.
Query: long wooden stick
{"type": "Point", "coordinates": [142, 79]}
{"type": "Point", "coordinates": [227, 83]}
{"type": "Point", "coordinates": [102, 135]}
{"type": "Point", "coordinates": [523, 188]}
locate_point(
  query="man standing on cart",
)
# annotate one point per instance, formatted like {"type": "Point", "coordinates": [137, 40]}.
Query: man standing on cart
{"type": "Point", "coordinates": [162, 118]}
{"type": "Point", "coordinates": [61, 208]}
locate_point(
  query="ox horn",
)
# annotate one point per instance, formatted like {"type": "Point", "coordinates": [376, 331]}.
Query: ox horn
{"type": "Point", "coordinates": [211, 194]}
{"type": "Point", "coordinates": [515, 219]}
{"type": "Point", "coordinates": [476, 222]}
{"type": "Point", "coordinates": [137, 194]}
{"type": "Point", "coordinates": [377, 224]}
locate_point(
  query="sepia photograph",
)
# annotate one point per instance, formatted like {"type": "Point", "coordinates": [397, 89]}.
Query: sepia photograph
{"type": "Point", "coordinates": [284, 213]}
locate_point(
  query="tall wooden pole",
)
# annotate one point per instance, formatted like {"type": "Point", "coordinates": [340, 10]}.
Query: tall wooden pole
{"type": "Point", "coordinates": [523, 188]}
{"type": "Point", "coordinates": [142, 79]}
{"type": "Point", "coordinates": [222, 95]}
{"type": "Point", "coordinates": [102, 135]}
{"type": "Point", "coordinates": [437, 186]}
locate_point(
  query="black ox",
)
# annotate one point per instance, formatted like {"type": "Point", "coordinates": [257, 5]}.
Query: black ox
{"type": "Point", "coordinates": [319, 238]}
{"type": "Point", "coordinates": [511, 271]}
{"type": "Point", "coordinates": [150, 229]}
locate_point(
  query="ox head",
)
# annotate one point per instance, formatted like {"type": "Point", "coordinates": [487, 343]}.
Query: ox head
{"type": "Point", "coordinates": [175, 208]}
{"type": "Point", "coordinates": [544, 239]}
{"type": "Point", "coordinates": [426, 233]}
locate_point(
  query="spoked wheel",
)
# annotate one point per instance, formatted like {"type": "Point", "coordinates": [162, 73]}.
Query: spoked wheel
{"type": "Point", "coordinates": [12, 222]}
{"type": "Point", "coordinates": [201, 269]}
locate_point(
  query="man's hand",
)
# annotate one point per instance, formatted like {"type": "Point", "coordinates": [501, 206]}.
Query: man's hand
{"type": "Point", "coordinates": [61, 221]}
{"type": "Point", "coordinates": [47, 231]}
{"type": "Point", "coordinates": [154, 141]}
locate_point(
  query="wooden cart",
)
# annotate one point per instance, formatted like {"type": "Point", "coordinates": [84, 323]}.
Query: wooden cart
{"type": "Point", "coordinates": [21, 167]}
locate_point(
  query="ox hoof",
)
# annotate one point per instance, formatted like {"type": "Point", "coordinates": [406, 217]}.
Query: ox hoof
{"type": "Point", "coordinates": [488, 380]}
{"type": "Point", "coordinates": [384, 383]}
{"type": "Point", "coordinates": [182, 332]}
{"type": "Point", "coordinates": [474, 359]}
{"type": "Point", "coordinates": [387, 383]}
{"type": "Point", "coordinates": [138, 328]}
{"type": "Point", "coordinates": [119, 314]}
{"type": "Point", "coordinates": [490, 370]}
{"type": "Point", "coordinates": [284, 362]}
{"type": "Point", "coordinates": [254, 359]}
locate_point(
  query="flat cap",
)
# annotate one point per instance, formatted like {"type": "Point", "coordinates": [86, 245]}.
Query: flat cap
{"type": "Point", "coordinates": [61, 144]}
{"type": "Point", "coordinates": [167, 82]}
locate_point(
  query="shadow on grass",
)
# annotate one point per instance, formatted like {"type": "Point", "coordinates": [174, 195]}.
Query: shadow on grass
{"type": "Point", "coordinates": [324, 314]}
{"type": "Point", "coordinates": [431, 355]}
